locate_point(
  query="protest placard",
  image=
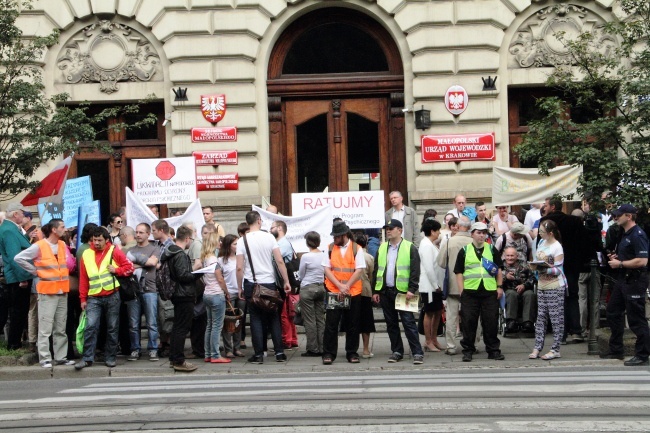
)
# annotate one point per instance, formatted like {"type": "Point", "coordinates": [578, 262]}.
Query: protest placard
{"type": "Point", "coordinates": [359, 209]}
{"type": "Point", "coordinates": [319, 221]}
{"type": "Point", "coordinates": [166, 180]}
{"type": "Point", "coordinates": [78, 192]}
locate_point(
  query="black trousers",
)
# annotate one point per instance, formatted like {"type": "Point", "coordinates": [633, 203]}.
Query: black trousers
{"type": "Point", "coordinates": [629, 296]}
{"type": "Point", "coordinates": [572, 306]}
{"type": "Point", "coordinates": [18, 311]}
{"type": "Point", "coordinates": [197, 334]}
{"type": "Point", "coordinates": [481, 304]}
{"type": "Point", "coordinates": [351, 319]}
{"type": "Point", "coordinates": [183, 314]}
{"type": "Point", "coordinates": [74, 312]}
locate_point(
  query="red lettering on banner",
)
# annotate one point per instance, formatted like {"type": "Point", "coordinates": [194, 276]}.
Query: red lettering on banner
{"type": "Point", "coordinates": [217, 181]}
{"type": "Point", "coordinates": [459, 147]}
{"type": "Point", "coordinates": [203, 135]}
{"type": "Point", "coordinates": [226, 157]}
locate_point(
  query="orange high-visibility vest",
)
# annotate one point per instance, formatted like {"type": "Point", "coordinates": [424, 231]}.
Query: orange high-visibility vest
{"type": "Point", "coordinates": [343, 267]}
{"type": "Point", "coordinates": [51, 270]}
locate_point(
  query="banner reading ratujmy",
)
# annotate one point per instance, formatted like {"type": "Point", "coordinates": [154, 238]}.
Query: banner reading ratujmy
{"type": "Point", "coordinates": [359, 209]}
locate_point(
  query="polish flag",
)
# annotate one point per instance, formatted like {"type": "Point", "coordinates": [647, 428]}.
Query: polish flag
{"type": "Point", "coordinates": [51, 186]}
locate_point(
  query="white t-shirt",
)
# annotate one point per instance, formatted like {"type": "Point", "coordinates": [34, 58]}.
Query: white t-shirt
{"type": "Point", "coordinates": [502, 226]}
{"type": "Point", "coordinates": [544, 252]}
{"type": "Point", "coordinates": [311, 269]}
{"type": "Point", "coordinates": [531, 216]}
{"type": "Point", "coordinates": [229, 271]}
{"type": "Point", "coordinates": [261, 246]}
{"type": "Point", "coordinates": [359, 259]}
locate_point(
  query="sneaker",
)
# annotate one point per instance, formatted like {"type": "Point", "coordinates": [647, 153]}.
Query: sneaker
{"type": "Point", "coordinates": [395, 357]}
{"type": "Point", "coordinates": [46, 364]}
{"type": "Point", "coordinates": [576, 338]}
{"type": "Point", "coordinates": [185, 366]}
{"type": "Point", "coordinates": [83, 364]}
{"type": "Point", "coordinates": [64, 362]}
{"type": "Point", "coordinates": [418, 359]}
{"type": "Point", "coordinates": [110, 364]}
{"type": "Point", "coordinates": [153, 355]}
{"type": "Point", "coordinates": [281, 357]}
{"type": "Point", "coordinates": [134, 356]}
{"type": "Point", "coordinates": [256, 359]}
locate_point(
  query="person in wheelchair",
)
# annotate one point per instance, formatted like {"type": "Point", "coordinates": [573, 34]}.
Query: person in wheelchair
{"type": "Point", "coordinates": [518, 283]}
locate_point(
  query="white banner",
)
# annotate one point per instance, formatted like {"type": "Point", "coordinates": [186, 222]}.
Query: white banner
{"type": "Point", "coordinates": [166, 180]}
{"type": "Point", "coordinates": [137, 212]}
{"type": "Point", "coordinates": [359, 209]}
{"type": "Point", "coordinates": [319, 221]}
{"type": "Point", "coordinates": [514, 186]}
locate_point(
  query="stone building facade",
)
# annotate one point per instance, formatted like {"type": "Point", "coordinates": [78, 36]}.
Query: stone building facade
{"type": "Point", "coordinates": [322, 93]}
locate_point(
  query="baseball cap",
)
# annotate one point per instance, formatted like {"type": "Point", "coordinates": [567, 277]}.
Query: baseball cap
{"type": "Point", "coordinates": [478, 226]}
{"type": "Point", "coordinates": [12, 207]}
{"type": "Point", "coordinates": [624, 208]}
{"type": "Point", "coordinates": [394, 223]}
{"type": "Point", "coordinates": [519, 229]}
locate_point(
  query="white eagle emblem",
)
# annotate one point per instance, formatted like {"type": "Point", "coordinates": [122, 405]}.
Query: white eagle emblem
{"type": "Point", "coordinates": [456, 101]}
{"type": "Point", "coordinates": [213, 107]}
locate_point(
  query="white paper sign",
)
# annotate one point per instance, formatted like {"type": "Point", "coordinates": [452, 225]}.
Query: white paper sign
{"type": "Point", "coordinates": [166, 180]}
{"type": "Point", "coordinates": [137, 212]}
{"type": "Point", "coordinates": [359, 209]}
{"type": "Point", "coordinates": [319, 221]}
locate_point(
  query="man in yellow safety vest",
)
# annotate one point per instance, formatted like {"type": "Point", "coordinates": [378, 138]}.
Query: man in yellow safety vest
{"type": "Point", "coordinates": [99, 294]}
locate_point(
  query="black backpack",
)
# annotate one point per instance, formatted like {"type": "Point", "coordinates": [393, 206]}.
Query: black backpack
{"type": "Point", "coordinates": [166, 286]}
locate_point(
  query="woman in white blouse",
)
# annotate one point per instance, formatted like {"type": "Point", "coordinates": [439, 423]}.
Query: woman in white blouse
{"type": "Point", "coordinates": [431, 277]}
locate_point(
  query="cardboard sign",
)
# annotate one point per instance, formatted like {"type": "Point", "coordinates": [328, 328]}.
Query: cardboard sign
{"type": "Point", "coordinates": [202, 135]}
{"type": "Point", "coordinates": [225, 157]}
{"type": "Point", "coordinates": [77, 192]}
{"type": "Point", "coordinates": [458, 147]}
{"type": "Point", "coordinates": [165, 180]}
{"type": "Point", "coordinates": [359, 209]}
{"type": "Point", "coordinates": [217, 181]}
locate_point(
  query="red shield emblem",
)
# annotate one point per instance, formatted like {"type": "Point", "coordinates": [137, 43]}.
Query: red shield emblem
{"type": "Point", "coordinates": [213, 107]}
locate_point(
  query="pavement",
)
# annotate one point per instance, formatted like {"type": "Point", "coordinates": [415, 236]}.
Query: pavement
{"type": "Point", "coordinates": [515, 349]}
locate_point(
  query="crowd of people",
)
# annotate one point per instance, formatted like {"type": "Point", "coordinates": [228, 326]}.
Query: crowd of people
{"type": "Point", "coordinates": [463, 272]}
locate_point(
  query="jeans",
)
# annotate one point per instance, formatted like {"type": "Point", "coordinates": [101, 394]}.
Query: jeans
{"type": "Point", "coordinates": [183, 315]}
{"type": "Point", "coordinates": [109, 307]}
{"type": "Point", "coordinates": [146, 303]}
{"type": "Point", "coordinates": [215, 306]}
{"type": "Point", "coordinates": [387, 301]}
{"type": "Point", "coordinates": [259, 319]}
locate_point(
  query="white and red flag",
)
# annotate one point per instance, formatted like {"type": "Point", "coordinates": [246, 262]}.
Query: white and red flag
{"type": "Point", "coordinates": [51, 187]}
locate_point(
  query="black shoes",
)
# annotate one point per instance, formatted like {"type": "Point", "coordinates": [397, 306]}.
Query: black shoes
{"type": "Point", "coordinates": [256, 359]}
{"type": "Point", "coordinates": [281, 357]}
{"type": "Point", "coordinates": [311, 354]}
{"type": "Point", "coordinates": [497, 356]}
{"type": "Point", "coordinates": [528, 328]}
{"type": "Point", "coordinates": [636, 361]}
{"type": "Point", "coordinates": [511, 327]}
{"type": "Point", "coordinates": [610, 355]}
{"type": "Point", "coordinates": [467, 357]}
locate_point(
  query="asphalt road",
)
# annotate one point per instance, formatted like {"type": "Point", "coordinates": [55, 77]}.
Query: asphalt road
{"type": "Point", "coordinates": [572, 399]}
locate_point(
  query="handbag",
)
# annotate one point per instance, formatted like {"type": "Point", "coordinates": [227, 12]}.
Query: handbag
{"type": "Point", "coordinates": [293, 272]}
{"type": "Point", "coordinates": [79, 340]}
{"type": "Point", "coordinates": [445, 281]}
{"type": "Point", "coordinates": [129, 286]}
{"type": "Point", "coordinates": [263, 298]}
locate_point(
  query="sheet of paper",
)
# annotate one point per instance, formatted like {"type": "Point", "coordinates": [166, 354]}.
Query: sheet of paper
{"type": "Point", "coordinates": [412, 305]}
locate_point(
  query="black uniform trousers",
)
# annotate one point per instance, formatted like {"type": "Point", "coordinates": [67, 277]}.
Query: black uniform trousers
{"type": "Point", "coordinates": [629, 295]}
{"type": "Point", "coordinates": [481, 304]}
{"type": "Point", "coordinates": [333, 320]}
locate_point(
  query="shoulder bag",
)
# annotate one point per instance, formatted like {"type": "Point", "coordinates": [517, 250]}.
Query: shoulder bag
{"type": "Point", "coordinates": [263, 298]}
{"type": "Point", "coordinates": [129, 286]}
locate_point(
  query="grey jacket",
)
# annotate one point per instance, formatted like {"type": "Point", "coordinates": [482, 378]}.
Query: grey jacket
{"type": "Point", "coordinates": [450, 249]}
{"type": "Point", "coordinates": [411, 224]}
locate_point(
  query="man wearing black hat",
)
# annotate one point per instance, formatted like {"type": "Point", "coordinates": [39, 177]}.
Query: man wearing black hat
{"type": "Point", "coordinates": [629, 292]}
{"type": "Point", "coordinates": [343, 266]}
{"type": "Point", "coordinates": [397, 271]}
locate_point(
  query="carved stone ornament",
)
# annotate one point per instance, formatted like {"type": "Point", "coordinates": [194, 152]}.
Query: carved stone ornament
{"type": "Point", "coordinates": [107, 53]}
{"type": "Point", "coordinates": [535, 43]}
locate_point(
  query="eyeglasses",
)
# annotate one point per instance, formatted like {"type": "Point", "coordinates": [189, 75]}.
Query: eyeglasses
{"type": "Point", "coordinates": [119, 222]}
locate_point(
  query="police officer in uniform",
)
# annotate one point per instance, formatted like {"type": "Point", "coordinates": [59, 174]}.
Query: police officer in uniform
{"type": "Point", "coordinates": [629, 293]}
{"type": "Point", "coordinates": [480, 284]}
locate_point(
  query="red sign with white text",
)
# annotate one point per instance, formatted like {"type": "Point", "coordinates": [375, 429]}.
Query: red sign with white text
{"type": "Point", "coordinates": [459, 147]}
{"type": "Point", "coordinates": [224, 133]}
{"type": "Point", "coordinates": [215, 157]}
{"type": "Point", "coordinates": [217, 181]}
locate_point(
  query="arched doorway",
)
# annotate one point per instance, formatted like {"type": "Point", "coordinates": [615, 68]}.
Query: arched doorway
{"type": "Point", "coordinates": [336, 93]}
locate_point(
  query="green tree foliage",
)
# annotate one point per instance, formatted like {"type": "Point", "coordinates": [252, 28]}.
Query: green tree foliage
{"type": "Point", "coordinates": [613, 88]}
{"type": "Point", "coordinates": [35, 128]}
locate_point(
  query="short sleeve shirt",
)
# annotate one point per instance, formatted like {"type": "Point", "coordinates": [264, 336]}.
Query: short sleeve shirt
{"type": "Point", "coordinates": [633, 245]}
